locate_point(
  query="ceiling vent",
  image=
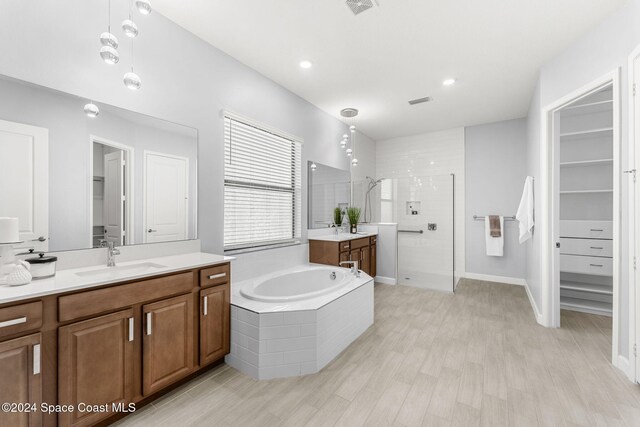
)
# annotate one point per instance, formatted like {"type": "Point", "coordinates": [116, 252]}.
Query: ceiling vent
{"type": "Point", "coordinates": [359, 6]}
{"type": "Point", "coordinates": [420, 100]}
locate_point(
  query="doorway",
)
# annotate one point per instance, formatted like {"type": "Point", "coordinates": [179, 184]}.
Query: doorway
{"type": "Point", "coordinates": [634, 207]}
{"type": "Point", "coordinates": [582, 161]}
{"type": "Point", "coordinates": [166, 200]}
{"type": "Point", "coordinates": [111, 192]}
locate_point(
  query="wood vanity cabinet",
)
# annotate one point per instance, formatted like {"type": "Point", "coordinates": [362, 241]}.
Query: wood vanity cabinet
{"type": "Point", "coordinates": [215, 316]}
{"type": "Point", "coordinates": [167, 342]}
{"type": "Point", "coordinates": [20, 380]}
{"type": "Point", "coordinates": [96, 365]}
{"type": "Point", "coordinates": [362, 250]}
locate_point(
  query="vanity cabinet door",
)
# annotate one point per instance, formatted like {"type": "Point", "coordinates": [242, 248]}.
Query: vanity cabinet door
{"type": "Point", "coordinates": [95, 365]}
{"type": "Point", "coordinates": [20, 380]}
{"type": "Point", "coordinates": [214, 323]}
{"type": "Point", "coordinates": [344, 256]}
{"type": "Point", "coordinates": [365, 260]}
{"type": "Point", "coordinates": [167, 343]}
{"type": "Point", "coordinates": [373, 268]}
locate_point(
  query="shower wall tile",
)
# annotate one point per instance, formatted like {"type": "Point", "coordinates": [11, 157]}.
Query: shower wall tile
{"type": "Point", "coordinates": [428, 155]}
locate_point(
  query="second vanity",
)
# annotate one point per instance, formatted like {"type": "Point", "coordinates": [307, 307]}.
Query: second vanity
{"type": "Point", "coordinates": [90, 341]}
{"type": "Point", "coordinates": [332, 249]}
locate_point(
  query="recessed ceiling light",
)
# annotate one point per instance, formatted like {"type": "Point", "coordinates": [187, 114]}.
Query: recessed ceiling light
{"type": "Point", "coordinates": [449, 82]}
{"type": "Point", "coordinates": [306, 64]}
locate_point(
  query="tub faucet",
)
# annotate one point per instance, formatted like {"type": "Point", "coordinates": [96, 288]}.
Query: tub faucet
{"type": "Point", "coordinates": [111, 254]}
{"type": "Point", "coordinates": [354, 267]}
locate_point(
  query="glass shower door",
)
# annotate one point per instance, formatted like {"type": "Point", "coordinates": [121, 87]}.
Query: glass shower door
{"type": "Point", "coordinates": [423, 208]}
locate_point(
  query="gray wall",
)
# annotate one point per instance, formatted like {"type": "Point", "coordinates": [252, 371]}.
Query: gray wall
{"type": "Point", "coordinates": [184, 80]}
{"type": "Point", "coordinates": [602, 50]}
{"type": "Point", "coordinates": [495, 156]}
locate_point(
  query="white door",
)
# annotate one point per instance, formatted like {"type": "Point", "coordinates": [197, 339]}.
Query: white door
{"type": "Point", "coordinates": [24, 181]}
{"type": "Point", "coordinates": [166, 193]}
{"type": "Point", "coordinates": [114, 198]}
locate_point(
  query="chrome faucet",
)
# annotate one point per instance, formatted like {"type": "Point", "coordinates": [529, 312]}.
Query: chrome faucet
{"type": "Point", "coordinates": [354, 267]}
{"type": "Point", "coordinates": [111, 254]}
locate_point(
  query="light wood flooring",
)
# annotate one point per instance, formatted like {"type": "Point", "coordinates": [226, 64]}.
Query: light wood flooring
{"type": "Point", "coordinates": [473, 358]}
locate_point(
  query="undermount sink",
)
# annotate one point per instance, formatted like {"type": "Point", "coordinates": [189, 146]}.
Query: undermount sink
{"type": "Point", "coordinates": [106, 272]}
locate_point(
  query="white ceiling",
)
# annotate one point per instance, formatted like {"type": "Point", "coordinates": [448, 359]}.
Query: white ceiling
{"type": "Point", "coordinates": [401, 50]}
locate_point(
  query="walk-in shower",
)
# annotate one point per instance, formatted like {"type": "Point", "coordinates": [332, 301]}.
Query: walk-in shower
{"type": "Point", "coordinates": [423, 209]}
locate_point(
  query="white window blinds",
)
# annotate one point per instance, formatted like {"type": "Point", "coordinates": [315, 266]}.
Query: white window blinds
{"type": "Point", "coordinates": [262, 186]}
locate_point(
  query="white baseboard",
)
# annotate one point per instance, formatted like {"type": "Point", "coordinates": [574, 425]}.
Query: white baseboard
{"type": "Point", "coordinates": [386, 280]}
{"type": "Point", "coordinates": [536, 312]}
{"type": "Point", "coordinates": [623, 364]}
{"type": "Point", "coordinates": [496, 279]}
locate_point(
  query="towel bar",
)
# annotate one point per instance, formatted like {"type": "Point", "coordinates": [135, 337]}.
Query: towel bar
{"type": "Point", "coordinates": [506, 218]}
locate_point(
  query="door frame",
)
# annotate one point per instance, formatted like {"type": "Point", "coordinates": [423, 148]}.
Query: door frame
{"type": "Point", "coordinates": [129, 187]}
{"type": "Point", "coordinates": [634, 243]}
{"type": "Point", "coordinates": [146, 154]}
{"type": "Point", "coordinates": [548, 222]}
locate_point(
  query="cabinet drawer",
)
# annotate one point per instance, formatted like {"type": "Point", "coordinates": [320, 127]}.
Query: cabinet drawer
{"type": "Point", "coordinates": [591, 247]}
{"type": "Point", "coordinates": [373, 239]}
{"type": "Point", "coordinates": [112, 298]}
{"type": "Point", "coordinates": [586, 265]}
{"type": "Point", "coordinates": [217, 275]}
{"type": "Point", "coordinates": [344, 246]}
{"type": "Point", "coordinates": [20, 318]}
{"type": "Point", "coordinates": [359, 243]}
{"type": "Point", "coordinates": [587, 229]}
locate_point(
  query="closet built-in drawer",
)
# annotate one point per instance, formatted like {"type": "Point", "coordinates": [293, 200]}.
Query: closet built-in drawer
{"type": "Point", "coordinates": [359, 243]}
{"type": "Point", "coordinates": [20, 318]}
{"type": "Point", "coordinates": [586, 265]}
{"type": "Point", "coordinates": [344, 246]}
{"type": "Point", "coordinates": [587, 229]}
{"type": "Point", "coordinates": [591, 247]}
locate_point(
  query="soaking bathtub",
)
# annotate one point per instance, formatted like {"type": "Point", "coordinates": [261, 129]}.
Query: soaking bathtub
{"type": "Point", "coordinates": [294, 322]}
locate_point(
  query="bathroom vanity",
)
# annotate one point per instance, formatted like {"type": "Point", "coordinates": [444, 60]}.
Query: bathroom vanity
{"type": "Point", "coordinates": [334, 249]}
{"type": "Point", "coordinates": [107, 337]}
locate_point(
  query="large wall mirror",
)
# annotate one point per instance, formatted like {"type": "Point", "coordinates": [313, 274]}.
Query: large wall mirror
{"type": "Point", "coordinates": [77, 182]}
{"type": "Point", "coordinates": [329, 188]}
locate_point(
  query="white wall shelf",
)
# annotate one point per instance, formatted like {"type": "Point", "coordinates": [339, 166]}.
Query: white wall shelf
{"type": "Point", "coordinates": [585, 191]}
{"type": "Point", "coordinates": [570, 135]}
{"type": "Point", "coordinates": [593, 307]}
{"type": "Point", "coordinates": [586, 287]}
{"type": "Point", "coordinates": [582, 163]}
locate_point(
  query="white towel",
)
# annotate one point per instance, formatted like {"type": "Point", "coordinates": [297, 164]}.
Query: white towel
{"type": "Point", "coordinates": [495, 245]}
{"type": "Point", "coordinates": [525, 211]}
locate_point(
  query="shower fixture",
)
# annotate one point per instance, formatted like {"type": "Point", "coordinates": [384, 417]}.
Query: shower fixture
{"type": "Point", "coordinates": [371, 184]}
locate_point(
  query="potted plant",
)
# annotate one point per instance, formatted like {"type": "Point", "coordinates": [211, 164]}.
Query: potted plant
{"type": "Point", "coordinates": [338, 216]}
{"type": "Point", "coordinates": [354, 216]}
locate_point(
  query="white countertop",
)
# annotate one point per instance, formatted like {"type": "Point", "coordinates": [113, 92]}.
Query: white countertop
{"type": "Point", "coordinates": [69, 280]}
{"type": "Point", "coordinates": [342, 237]}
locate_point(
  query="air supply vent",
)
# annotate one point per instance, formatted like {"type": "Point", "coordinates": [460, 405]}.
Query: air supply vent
{"type": "Point", "coordinates": [359, 6]}
{"type": "Point", "coordinates": [420, 100]}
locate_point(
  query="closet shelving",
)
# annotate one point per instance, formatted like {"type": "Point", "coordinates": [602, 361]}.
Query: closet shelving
{"type": "Point", "coordinates": [586, 204]}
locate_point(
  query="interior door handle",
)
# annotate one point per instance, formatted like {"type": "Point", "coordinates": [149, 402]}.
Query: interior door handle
{"type": "Point", "coordinates": [40, 239]}
{"type": "Point", "coordinates": [151, 230]}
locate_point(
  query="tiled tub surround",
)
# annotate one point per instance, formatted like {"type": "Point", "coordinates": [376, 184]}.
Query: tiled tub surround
{"type": "Point", "coordinates": [285, 339]}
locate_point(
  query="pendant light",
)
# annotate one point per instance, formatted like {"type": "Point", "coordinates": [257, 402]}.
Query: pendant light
{"type": "Point", "coordinates": [313, 166]}
{"type": "Point", "coordinates": [91, 110]}
{"type": "Point", "coordinates": [109, 43]}
{"type": "Point", "coordinates": [354, 161]}
{"type": "Point", "coordinates": [349, 114]}
{"type": "Point", "coordinates": [143, 6]}
{"type": "Point", "coordinates": [131, 79]}
{"type": "Point", "coordinates": [128, 26]}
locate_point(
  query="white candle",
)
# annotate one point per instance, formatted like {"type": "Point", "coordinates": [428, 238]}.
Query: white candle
{"type": "Point", "coordinates": [9, 230]}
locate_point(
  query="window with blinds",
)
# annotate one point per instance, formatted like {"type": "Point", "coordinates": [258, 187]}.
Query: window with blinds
{"type": "Point", "coordinates": [262, 186]}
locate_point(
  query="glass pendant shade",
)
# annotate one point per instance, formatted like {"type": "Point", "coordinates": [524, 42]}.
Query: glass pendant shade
{"type": "Point", "coordinates": [343, 143]}
{"type": "Point", "coordinates": [143, 6]}
{"type": "Point", "coordinates": [132, 81]}
{"type": "Point", "coordinates": [314, 166]}
{"type": "Point", "coordinates": [352, 128]}
{"type": "Point", "coordinates": [108, 39]}
{"type": "Point", "coordinates": [91, 110]}
{"type": "Point", "coordinates": [109, 55]}
{"type": "Point", "coordinates": [354, 162]}
{"type": "Point", "coordinates": [130, 28]}
{"type": "Point", "coordinates": [349, 152]}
